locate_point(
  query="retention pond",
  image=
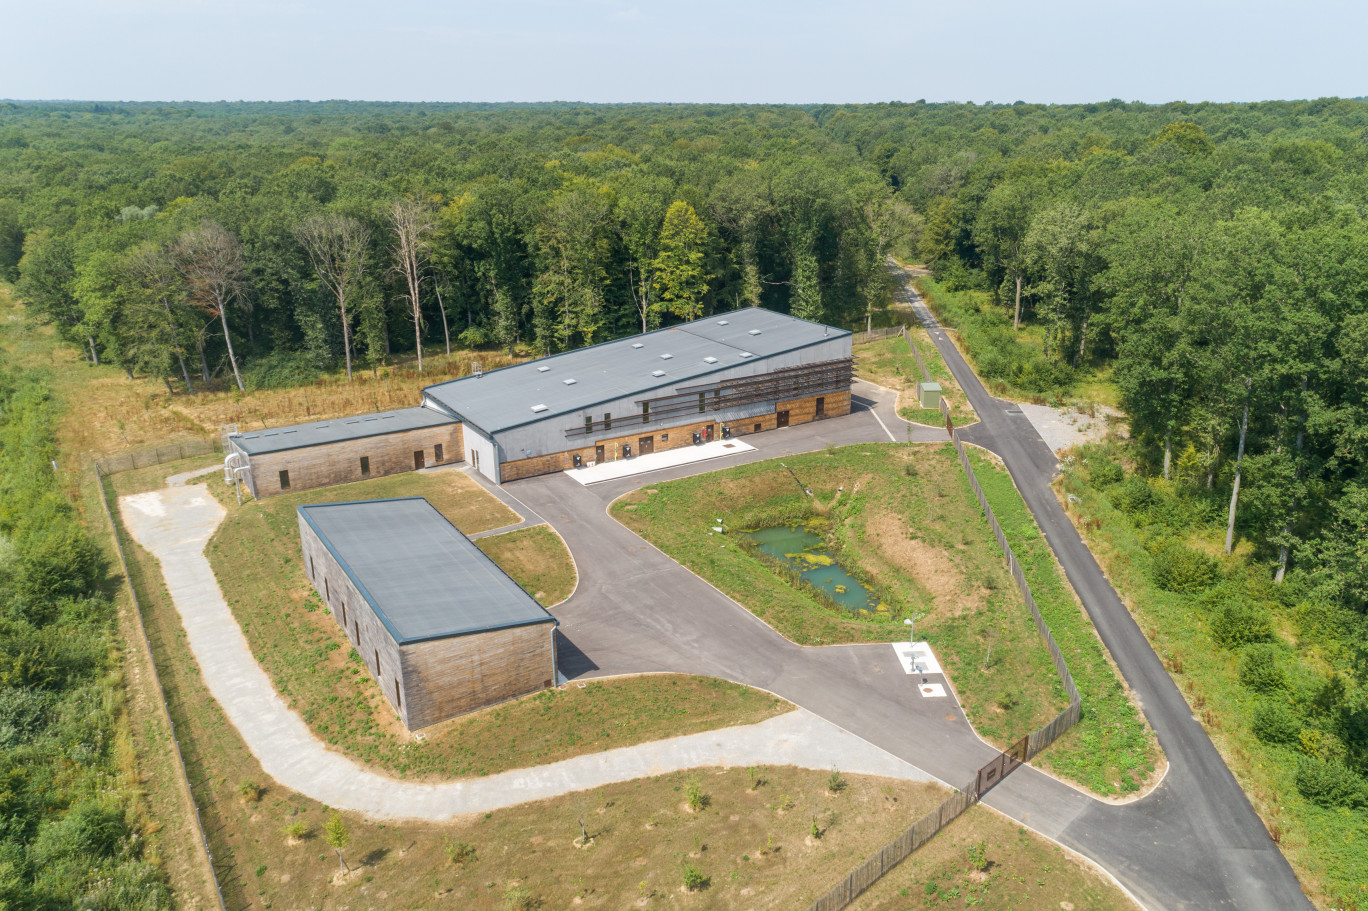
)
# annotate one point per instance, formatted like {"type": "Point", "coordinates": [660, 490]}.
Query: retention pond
{"type": "Point", "coordinates": [806, 553]}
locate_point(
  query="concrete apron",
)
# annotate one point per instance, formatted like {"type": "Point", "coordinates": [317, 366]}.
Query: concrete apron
{"type": "Point", "coordinates": [175, 524]}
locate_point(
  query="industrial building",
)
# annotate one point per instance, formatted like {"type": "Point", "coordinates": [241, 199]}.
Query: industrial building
{"type": "Point", "coordinates": [324, 453]}
{"type": "Point", "coordinates": [441, 628]}
{"type": "Point", "coordinates": [740, 372]}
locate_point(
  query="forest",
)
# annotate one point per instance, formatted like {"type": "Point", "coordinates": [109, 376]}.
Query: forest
{"type": "Point", "coordinates": [1205, 266]}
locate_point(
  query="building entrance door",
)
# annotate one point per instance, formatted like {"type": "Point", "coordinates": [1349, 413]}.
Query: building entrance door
{"type": "Point", "coordinates": [598, 454]}
{"type": "Point", "coordinates": [418, 460]}
{"type": "Point", "coordinates": [645, 445]}
{"type": "Point", "coordinates": [781, 418]}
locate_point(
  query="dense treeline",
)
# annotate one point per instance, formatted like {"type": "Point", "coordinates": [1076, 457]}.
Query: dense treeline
{"type": "Point", "coordinates": [70, 830]}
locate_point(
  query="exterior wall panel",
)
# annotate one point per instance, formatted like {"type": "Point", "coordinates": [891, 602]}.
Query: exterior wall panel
{"type": "Point", "coordinates": [453, 676]}
{"type": "Point", "coordinates": [340, 463]}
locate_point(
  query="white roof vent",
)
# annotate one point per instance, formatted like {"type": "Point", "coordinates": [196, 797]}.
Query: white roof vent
{"type": "Point", "coordinates": [568, 382]}
{"type": "Point", "coordinates": [538, 408]}
{"type": "Point", "coordinates": [657, 373]}
{"type": "Point", "coordinates": [637, 345]}
{"type": "Point", "coordinates": [722, 322]}
{"type": "Point", "coordinates": [755, 332]}
{"type": "Point", "coordinates": [543, 369]}
{"type": "Point", "coordinates": [710, 360]}
{"type": "Point", "coordinates": [746, 354]}
{"type": "Point", "coordinates": [666, 357]}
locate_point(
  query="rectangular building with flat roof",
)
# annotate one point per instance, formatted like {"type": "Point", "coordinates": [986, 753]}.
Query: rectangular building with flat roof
{"type": "Point", "coordinates": [440, 626]}
{"type": "Point", "coordinates": [276, 460]}
{"type": "Point", "coordinates": [739, 372]}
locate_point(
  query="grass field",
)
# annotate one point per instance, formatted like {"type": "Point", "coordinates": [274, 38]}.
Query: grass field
{"type": "Point", "coordinates": [256, 556]}
{"type": "Point", "coordinates": [909, 525]}
{"type": "Point", "coordinates": [890, 363]}
{"type": "Point", "coordinates": [537, 560]}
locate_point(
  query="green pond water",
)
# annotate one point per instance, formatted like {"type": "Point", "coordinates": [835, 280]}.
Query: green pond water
{"type": "Point", "coordinates": [807, 552]}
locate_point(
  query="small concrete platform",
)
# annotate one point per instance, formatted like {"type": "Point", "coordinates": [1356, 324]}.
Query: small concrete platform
{"type": "Point", "coordinates": [657, 461]}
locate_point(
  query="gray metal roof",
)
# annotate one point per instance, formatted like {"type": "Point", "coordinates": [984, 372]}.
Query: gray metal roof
{"type": "Point", "coordinates": [423, 578]}
{"type": "Point", "coordinates": [516, 395]}
{"type": "Point", "coordinates": [297, 436]}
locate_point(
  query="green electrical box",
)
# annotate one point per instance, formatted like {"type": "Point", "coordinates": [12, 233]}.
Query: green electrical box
{"type": "Point", "coordinates": [929, 395]}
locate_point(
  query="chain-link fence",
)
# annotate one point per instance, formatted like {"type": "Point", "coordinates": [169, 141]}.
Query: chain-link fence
{"type": "Point", "coordinates": [874, 335]}
{"type": "Point", "coordinates": [155, 455]}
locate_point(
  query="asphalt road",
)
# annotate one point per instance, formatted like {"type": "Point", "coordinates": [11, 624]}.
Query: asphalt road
{"type": "Point", "coordinates": [1193, 843]}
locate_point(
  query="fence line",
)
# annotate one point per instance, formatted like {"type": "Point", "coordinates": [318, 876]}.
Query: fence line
{"type": "Point", "coordinates": [155, 455]}
{"type": "Point", "coordinates": [156, 680]}
{"type": "Point", "coordinates": [896, 851]}
{"type": "Point", "coordinates": [874, 335]}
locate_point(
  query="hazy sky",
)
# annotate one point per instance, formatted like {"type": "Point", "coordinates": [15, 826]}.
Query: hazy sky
{"type": "Point", "coordinates": [707, 51]}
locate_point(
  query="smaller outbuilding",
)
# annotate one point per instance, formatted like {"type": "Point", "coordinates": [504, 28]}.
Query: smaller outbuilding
{"type": "Point", "coordinates": [440, 626]}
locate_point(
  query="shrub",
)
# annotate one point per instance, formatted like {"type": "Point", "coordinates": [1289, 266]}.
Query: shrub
{"type": "Point", "coordinates": [1106, 474]}
{"type": "Point", "coordinates": [1275, 722]}
{"type": "Point", "coordinates": [90, 830]}
{"type": "Point", "coordinates": [474, 337]}
{"type": "Point", "coordinates": [516, 898]}
{"type": "Point", "coordinates": [693, 794]}
{"type": "Point", "coordinates": [1133, 496]}
{"type": "Point", "coordinates": [460, 852]}
{"type": "Point", "coordinates": [1261, 668]}
{"type": "Point", "coordinates": [1239, 623]}
{"type": "Point", "coordinates": [1175, 567]}
{"type": "Point", "coordinates": [694, 880]}
{"type": "Point", "coordinates": [1329, 784]}
{"type": "Point", "coordinates": [250, 791]}
{"type": "Point", "coordinates": [299, 829]}
{"type": "Point", "coordinates": [279, 370]}
{"type": "Point", "coordinates": [835, 783]}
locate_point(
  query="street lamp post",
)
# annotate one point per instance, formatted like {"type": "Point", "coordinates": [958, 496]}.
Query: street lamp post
{"type": "Point", "coordinates": [911, 632]}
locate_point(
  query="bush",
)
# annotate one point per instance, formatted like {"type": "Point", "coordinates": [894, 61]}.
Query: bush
{"type": "Point", "coordinates": [1105, 474]}
{"type": "Point", "coordinates": [1237, 624]}
{"type": "Point", "coordinates": [90, 830]}
{"type": "Point", "coordinates": [1275, 722]}
{"type": "Point", "coordinates": [1175, 567]}
{"type": "Point", "coordinates": [298, 830]}
{"type": "Point", "coordinates": [1261, 668]}
{"type": "Point", "coordinates": [280, 370]}
{"type": "Point", "coordinates": [460, 852]}
{"type": "Point", "coordinates": [474, 337]}
{"type": "Point", "coordinates": [1330, 784]}
{"type": "Point", "coordinates": [694, 880]}
{"type": "Point", "coordinates": [693, 794]}
{"type": "Point", "coordinates": [1134, 496]}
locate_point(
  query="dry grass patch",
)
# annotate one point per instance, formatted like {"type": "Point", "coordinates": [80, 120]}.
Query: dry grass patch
{"type": "Point", "coordinates": [890, 363]}
{"type": "Point", "coordinates": [537, 559]}
{"type": "Point", "coordinates": [934, 568]}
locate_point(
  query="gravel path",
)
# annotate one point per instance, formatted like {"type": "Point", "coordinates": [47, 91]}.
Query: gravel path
{"type": "Point", "coordinates": [175, 524]}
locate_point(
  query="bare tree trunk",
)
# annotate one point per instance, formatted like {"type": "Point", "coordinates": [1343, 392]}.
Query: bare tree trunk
{"type": "Point", "coordinates": [1168, 453]}
{"type": "Point", "coordinates": [1235, 491]}
{"type": "Point", "coordinates": [232, 358]}
{"type": "Point", "coordinates": [446, 333]}
{"type": "Point", "coordinates": [1016, 313]}
{"type": "Point", "coordinates": [1284, 548]}
{"type": "Point", "coordinates": [346, 335]}
{"type": "Point", "coordinates": [94, 355]}
{"type": "Point", "coordinates": [1082, 342]}
{"type": "Point", "coordinates": [204, 362]}
{"type": "Point", "coordinates": [189, 389]}
{"type": "Point", "coordinates": [166, 378]}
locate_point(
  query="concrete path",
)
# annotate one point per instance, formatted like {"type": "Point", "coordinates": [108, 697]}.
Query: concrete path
{"type": "Point", "coordinates": [176, 523]}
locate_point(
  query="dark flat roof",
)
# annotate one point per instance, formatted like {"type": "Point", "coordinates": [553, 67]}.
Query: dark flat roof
{"type": "Point", "coordinates": [421, 576]}
{"type": "Point", "coordinates": [298, 436]}
{"type": "Point", "coordinates": [506, 398]}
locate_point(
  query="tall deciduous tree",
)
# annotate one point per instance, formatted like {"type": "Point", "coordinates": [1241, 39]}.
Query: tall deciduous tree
{"type": "Point", "coordinates": [680, 276]}
{"type": "Point", "coordinates": [337, 246]}
{"type": "Point", "coordinates": [210, 261]}
{"type": "Point", "coordinates": [413, 223]}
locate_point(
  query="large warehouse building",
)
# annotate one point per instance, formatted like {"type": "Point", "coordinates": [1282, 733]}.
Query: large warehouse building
{"type": "Point", "coordinates": [740, 372]}
{"type": "Point", "coordinates": [442, 629]}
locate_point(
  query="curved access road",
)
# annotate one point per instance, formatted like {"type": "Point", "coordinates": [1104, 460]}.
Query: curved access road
{"type": "Point", "coordinates": [1195, 842]}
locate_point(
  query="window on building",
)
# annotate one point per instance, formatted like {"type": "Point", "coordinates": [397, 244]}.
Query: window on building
{"type": "Point", "coordinates": [284, 480]}
{"type": "Point", "coordinates": [311, 569]}
{"type": "Point", "coordinates": [365, 464]}
{"type": "Point", "coordinates": [664, 437]}
{"type": "Point", "coordinates": [437, 452]}
{"type": "Point", "coordinates": [588, 424]}
{"type": "Point", "coordinates": [757, 428]}
{"type": "Point", "coordinates": [645, 412]}
{"type": "Point", "coordinates": [821, 406]}
{"type": "Point", "coordinates": [702, 402]}
{"type": "Point", "coordinates": [607, 421]}
{"type": "Point", "coordinates": [398, 699]}
{"type": "Point", "coordinates": [327, 593]}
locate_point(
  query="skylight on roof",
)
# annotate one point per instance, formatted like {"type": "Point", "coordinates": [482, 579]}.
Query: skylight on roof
{"type": "Point", "coordinates": [638, 345]}
{"type": "Point", "coordinates": [755, 332]}
{"type": "Point", "coordinates": [722, 322]}
{"type": "Point", "coordinates": [710, 360]}
{"type": "Point", "coordinates": [543, 369]}
{"type": "Point", "coordinates": [568, 382]}
{"type": "Point", "coordinates": [666, 357]}
{"type": "Point", "coordinates": [746, 354]}
{"type": "Point", "coordinates": [538, 408]}
{"type": "Point", "coordinates": [657, 373]}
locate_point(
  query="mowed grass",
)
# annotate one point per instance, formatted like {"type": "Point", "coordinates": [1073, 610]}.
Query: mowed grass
{"type": "Point", "coordinates": [1111, 749]}
{"type": "Point", "coordinates": [985, 860]}
{"type": "Point", "coordinates": [905, 523]}
{"type": "Point", "coordinates": [537, 559]}
{"type": "Point", "coordinates": [890, 363]}
{"type": "Point", "coordinates": [256, 556]}
{"type": "Point", "coordinates": [908, 524]}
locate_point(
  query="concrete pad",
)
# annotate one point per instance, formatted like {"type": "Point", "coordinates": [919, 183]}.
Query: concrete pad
{"type": "Point", "coordinates": [657, 461]}
{"type": "Point", "coordinates": [917, 659]}
{"type": "Point", "coordinates": [932, 690]}
{"type": "Point", "coordinates": [174, 525]}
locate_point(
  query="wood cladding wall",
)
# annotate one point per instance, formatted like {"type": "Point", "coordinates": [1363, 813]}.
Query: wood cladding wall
{"type": "Point", "coordinates": [432, 681]}
{"type": "Point", "coordinates": [340, 463]}
{"type": "Point", "coordinates": [801, 411]}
